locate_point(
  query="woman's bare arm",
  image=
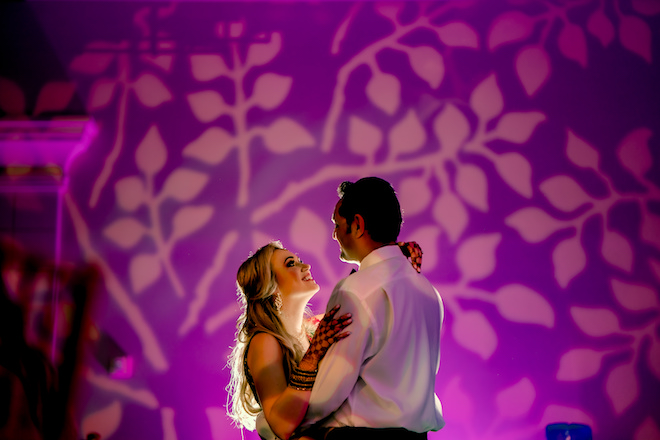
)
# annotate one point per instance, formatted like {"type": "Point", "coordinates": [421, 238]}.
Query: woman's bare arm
{"type": "Point", "coordinates": [285, 406]}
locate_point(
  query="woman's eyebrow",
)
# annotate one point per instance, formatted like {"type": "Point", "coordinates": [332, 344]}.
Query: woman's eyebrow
{"type": "Point", "coordinates": [287, 258]}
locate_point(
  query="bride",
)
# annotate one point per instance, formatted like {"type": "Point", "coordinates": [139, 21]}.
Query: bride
{"type": "Point", "coordinates": [278, 343]}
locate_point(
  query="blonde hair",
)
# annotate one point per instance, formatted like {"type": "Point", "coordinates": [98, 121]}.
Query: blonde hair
{"type": "Point", "coordinates": [256, 288]}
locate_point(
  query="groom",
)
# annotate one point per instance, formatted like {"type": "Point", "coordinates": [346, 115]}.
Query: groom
{"type": "Point", "coordinates": [378, 383]}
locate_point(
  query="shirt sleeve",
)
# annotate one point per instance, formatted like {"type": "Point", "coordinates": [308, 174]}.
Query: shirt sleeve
{"type": "Point", "coordinates": [339, 370]}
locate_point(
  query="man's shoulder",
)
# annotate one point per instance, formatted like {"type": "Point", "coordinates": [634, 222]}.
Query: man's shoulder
{"type": "Point", "coordinates": [369, 279]}
{"type": "Point", "coordinates": [392, 274]}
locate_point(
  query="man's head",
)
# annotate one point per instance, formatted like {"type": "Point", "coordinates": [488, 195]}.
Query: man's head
{"type": "Point", "coordinates": [367, 216]}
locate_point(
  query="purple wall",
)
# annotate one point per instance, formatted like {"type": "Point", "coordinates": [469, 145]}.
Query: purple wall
{"type": "Point", "coordinates": [521, 136]}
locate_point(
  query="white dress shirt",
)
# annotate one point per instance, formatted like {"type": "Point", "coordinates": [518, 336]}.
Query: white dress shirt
{"type": "Point", "coordinates": [383, 374]}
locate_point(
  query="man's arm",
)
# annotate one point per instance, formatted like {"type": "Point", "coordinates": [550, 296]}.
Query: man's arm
{"type": "Point", "coordinates": [340, 368]}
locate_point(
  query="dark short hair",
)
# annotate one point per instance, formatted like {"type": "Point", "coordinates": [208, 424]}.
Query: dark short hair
{"type": "Point", "coordinates": [375, 200]}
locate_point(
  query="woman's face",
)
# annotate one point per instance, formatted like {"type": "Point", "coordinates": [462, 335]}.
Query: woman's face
{"type": "Point", "coordinates": [292, 275]}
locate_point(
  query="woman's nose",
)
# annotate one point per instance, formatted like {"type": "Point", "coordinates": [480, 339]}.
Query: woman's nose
{"type": "Point", "coordinates": [304, 266]}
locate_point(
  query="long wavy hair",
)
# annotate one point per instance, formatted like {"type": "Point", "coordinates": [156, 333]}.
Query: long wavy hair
{"type": "Point", "coordinates": [256, 288]}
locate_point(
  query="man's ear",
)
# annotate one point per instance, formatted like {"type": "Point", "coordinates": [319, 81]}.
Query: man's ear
{"type": "Point", "coordinates": [358, 221]}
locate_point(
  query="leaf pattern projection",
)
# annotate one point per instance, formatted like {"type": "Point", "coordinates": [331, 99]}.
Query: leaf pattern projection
{"type": "Point", "coordinates": [538, 229]}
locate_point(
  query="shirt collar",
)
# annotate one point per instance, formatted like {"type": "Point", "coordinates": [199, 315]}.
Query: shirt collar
{"type": "Point", "coordinates": [380, 254]}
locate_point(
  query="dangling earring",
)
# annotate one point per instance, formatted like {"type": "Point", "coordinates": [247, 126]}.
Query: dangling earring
{"type": "Point", "coordinates": [277, 302]}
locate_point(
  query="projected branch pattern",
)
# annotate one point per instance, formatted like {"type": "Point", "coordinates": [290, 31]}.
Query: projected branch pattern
{"type": "Point", "coordinates": [540, 231]}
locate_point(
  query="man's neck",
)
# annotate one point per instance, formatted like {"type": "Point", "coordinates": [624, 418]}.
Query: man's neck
{"type": "Point", "coordinates": [370, 247]}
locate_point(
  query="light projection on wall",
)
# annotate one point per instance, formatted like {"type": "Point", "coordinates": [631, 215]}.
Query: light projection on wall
{"type": "Point", "coordinates": [521, 138]}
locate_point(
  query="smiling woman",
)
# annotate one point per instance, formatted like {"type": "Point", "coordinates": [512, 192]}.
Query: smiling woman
{"type": "Point", "coordinates": [293, 277]}
{"type": "Point", "coordinates": [278, 345]}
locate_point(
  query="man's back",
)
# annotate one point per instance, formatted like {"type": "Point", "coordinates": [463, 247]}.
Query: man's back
{"type": "Point", "coordinates": [383, 375]}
